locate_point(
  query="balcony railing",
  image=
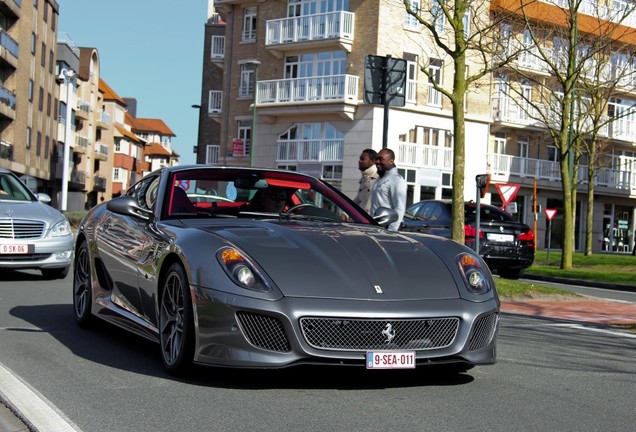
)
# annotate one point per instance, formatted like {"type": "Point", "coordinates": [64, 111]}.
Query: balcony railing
{"type": "Point", "coordinates": [507, 109]}
{"type": "Point", "coordinates": [7, 97]}
{"type": "Point", "coordinates": [215, 102]}
{"type": "Point", "coordinates": [424, 156]}
{"type": "Point", "coordinates": [104, 117]}
{"type": "Point", "coordinates": [101, 149]}
{"type": "Point", "coordinates": [78, 177]}
{"type": "Point", "coordinates": [83, 106]}
{"type": "Point", "coordinates": [319, 150]}
{"type": "Point", "coordinates": [331, 25]}
{"type": "Point", "coordinates": [99, 183]}
{"type": "Point", "coordinates": [504, 166]}
{"type": "Point", "coordinates": [212, 154]}
{"type": "Point", "coordinates": [81, 142]}
{"type": "Point", "coordinates": [9, 43]}
{"type": "Point", "coordinates": [312, 89]}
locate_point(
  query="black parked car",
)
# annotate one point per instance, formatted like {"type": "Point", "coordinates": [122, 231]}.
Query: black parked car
{"type": "Point", "coordinates": [505, 244]}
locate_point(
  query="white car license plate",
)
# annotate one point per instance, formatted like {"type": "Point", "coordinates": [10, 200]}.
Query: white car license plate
{"type": "Point", "coordinates": [14, 249]}
{"type": "Point", "coordinates": [501, 237]}
{"type": "Point", "coordinates": [390, 359]}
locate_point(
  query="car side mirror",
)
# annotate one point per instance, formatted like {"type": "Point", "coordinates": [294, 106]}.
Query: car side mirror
{"type": "Point", "coordinates": [44, 198]}
{"type": "Point", "coordinates": [126, 205]}
{"type": "Point", "coordinates": [385, 216]}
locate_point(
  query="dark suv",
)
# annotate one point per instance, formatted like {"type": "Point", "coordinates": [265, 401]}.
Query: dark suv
{"type": "Point", "coordinates": [505, 244]}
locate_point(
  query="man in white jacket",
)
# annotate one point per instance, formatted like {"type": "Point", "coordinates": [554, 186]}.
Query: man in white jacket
{"type": "Point", "coordinates": [390, 189]}
{"type": "Point", "coordinates": [366, 164]}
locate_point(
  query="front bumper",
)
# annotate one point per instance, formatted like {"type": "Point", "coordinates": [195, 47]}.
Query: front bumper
{"type": "Point", "coordinates": [277, 338]}
{"type": "Point", "coordinates": [54, 252]}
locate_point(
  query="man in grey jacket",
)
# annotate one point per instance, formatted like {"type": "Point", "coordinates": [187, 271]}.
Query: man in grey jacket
{"type": "Point", "coordinates": [390, 189]}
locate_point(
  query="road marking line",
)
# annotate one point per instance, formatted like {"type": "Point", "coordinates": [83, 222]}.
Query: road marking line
{"type": "Point", "coordinates": [33, 409]}
{"type": "Point", "coordinates": [596, 329]}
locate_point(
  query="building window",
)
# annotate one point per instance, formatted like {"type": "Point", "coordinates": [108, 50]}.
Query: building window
{"type": "Point", "coordinates": [438, 17]}
{"type": "Point", "coordinates": [51, 61]}
{"type": "Point", "coordinates": [249, 25]}
{"type": "Point", "coordinates": [215, 99]}
{"type": "Point", "coordinates": [245, 133]}
{"type": "Point", "coordinates": [246, 84]}
{"type": "Point", "coordinates": [435, 77]}
{"type": "Point", "coordinates": [46, 147]}
{"type": "Point", "coordinates": [553, 154]}
{"type": "Point", "coordinates": [217, 50]}
{"type": "Point", "coordinates": [41, 100]}
{"type": "Point", "coordinates": [410, 21]}
{"type": "Point", "coordinates": [43, 55]}
{"type": "Point", "coordinates": [28, 138]}
{"type": "Point", "coordinates": [30, 90]}
{"type": "Point", "coordinates": [38, 144]}
{"type": "Point", "coordinates": [411, 82]}
{"type": "Point", "coordinates": [211, 154]}
{"type": "Point", "coordinates": [33, 40]}
{"type": "Point", "coordinates": [116, 174]}
{"type": "Point", "coordinates": [48, 104]}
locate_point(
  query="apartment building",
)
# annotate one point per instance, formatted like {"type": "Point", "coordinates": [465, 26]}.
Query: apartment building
{"type": "Point", "coordinates": [292, 97]}
{"type": "Point", "coordinates": [521, 152]}
{"type": "Point", "coordinates": [29, 91]}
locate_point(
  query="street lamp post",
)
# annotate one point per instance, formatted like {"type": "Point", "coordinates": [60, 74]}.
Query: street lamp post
{"type": "Point", "coordinates": [256, 64]}
{"type": "Point", "coordinates": [198, 146]}
{"type": "Point", "coordinates": [68, 77]}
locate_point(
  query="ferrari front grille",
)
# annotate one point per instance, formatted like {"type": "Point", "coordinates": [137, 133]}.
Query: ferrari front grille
{"type": "Point", "coordinates": [263, 331]}
{"type": "Point", "coordinates": [20, 229]}
{"type": "Point", "coordinates": [380, 334]}
{"type": "Point", "coordinates": [483, 331]}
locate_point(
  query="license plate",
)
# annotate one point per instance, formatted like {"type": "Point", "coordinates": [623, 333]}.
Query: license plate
{"type": "Point", "coordinates": [501, 237]}
{"type": "Point", "coordinates": [14, 249]}
{"type": "Point", "coordinates": [390, 359]}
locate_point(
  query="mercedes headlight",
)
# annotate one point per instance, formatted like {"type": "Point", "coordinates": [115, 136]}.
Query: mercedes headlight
{"type": "Point", "coordinates": [62, 228]}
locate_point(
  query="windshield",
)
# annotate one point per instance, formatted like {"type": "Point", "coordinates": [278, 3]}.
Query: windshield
{"type": "Point", "coordinates": [210, 192]}
{"type": "Point", "coordinates": [12, 189]}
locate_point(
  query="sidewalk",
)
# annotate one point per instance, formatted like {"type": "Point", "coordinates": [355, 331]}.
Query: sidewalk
{"type": "Point", "coordinates": [579, 309]}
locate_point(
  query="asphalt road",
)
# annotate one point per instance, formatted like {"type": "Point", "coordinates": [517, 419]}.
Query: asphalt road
{"type": "Point", "coordinates": [549, 376]}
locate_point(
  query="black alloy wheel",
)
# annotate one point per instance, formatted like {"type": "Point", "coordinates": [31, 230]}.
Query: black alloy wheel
{"type": "Point", "coordinates": [82, 294]}
{"type": "Point", "coordinates": [176, 325]}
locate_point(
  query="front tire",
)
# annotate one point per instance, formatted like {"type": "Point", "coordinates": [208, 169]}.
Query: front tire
{"type": "Point", "coordinates": [82, 286]}
{"type": "Point", "coordinates": [176, 325]}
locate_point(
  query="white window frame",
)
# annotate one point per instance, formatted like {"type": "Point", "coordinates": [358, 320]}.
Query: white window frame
{"type": "Point", "coordinates": [249, 25]}
{"type": "Point", "coordinates": [215, 101]}
{"type": "Point", "coordinates": [435, 70]}
{"type": "Point", "coordinates": [246, 82]}
{"type": "Point", "coordinates": [411, 82]}
{"type": "Point", "coordinates": [217, 47]}
{"type": "Point", "coordinates": [410, 22]}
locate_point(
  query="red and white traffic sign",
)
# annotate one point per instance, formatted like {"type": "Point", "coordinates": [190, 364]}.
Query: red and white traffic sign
{"type": "Point", "coordinates": [507, 192]}
{"type": "Point", "coordinates": [550, 213]}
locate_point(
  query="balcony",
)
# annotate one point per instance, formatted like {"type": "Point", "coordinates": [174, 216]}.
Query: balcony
{"type": "Point", "coordinates": [527, 57]}
{"type": "Point", "coordinates": [503, 167]}
{"type": "Point", "coordinates": [511, 112]}
{"type": "Point", "coordinates": [99, 184]}
{"type": "Point", "coordinates": [103, 120]}
{"type": "Point", "coordinates": [622, 129]}
{"type": "Point", "coordinates": [332, 29]}
{"type": "Point", "coordinates": [81, 144]}
{"type": "Point", "coordinates": [319, 150]}
{"type": "Point", "coordinates": [101, 151]}
{"type": "Point", "coordinates": [78, 178]}
{"type": "Point", "coordinates": [83, 109]}
{"type": "Point", "coordinates": [327, 94]}
{"type": "Point", "coordinates": [11, 8]}
{"type": "Point", "coordinates": [424, 156]}
{"type": "Point", "coordinates": [7, 103]}
{"type": "Point", "coordinates": [9, 49]}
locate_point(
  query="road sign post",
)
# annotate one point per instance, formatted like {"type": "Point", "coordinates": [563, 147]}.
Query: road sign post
{"type": "Point", "coordinates": [482, 181]}
{"type": "Point", "coordinates": [549, 214]}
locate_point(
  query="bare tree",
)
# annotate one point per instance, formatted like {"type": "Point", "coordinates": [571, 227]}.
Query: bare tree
{"type": "Point", "coordinates": [464, 32]}
{"type": "Point", "coordinates": [571, 39]}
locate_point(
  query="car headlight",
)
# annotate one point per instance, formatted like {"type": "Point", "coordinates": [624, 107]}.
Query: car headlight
{"type": "Point", "coordinates": [240, 269]}
{"type": "Point", "coordinates": [62, 228]}
{"type": "Point", "coordinates": [474, 273]}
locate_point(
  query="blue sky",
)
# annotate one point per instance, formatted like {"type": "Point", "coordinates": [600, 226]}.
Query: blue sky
{"type": "Point", "coordinates": [150, 50]}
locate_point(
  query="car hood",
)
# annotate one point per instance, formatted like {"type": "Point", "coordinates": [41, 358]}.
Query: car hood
{"type": "Point", "coordinates": [344, 261]}
{"type": "Point", "coordinates": [33, 210]}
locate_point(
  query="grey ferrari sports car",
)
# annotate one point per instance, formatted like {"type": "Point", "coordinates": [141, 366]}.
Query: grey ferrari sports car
{"type": "Point", "coordinates": [262, 268]}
